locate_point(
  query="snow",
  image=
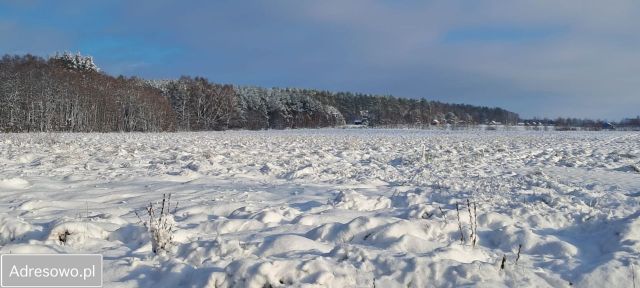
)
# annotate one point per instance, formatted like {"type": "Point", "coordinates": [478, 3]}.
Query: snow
{"type": "Point", "coordinates": [13, 183]}
{"type": "Point", "coordinates": [332, 207]}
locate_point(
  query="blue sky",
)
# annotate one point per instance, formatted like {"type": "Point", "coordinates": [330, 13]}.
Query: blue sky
{"type": "Point", "coordinates": [535, 57]}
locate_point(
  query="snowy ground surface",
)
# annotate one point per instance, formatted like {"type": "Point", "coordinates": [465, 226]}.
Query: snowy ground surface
{"type": "Point", "coordinates": [333, 208]}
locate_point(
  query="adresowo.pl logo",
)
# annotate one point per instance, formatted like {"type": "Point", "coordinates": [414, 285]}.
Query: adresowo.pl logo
{"type": "Point", "coordinates": [50, 270]}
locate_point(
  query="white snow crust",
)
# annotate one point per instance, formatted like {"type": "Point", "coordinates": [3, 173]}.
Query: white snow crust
{"type": "Point", "coordinates": [332, 207]}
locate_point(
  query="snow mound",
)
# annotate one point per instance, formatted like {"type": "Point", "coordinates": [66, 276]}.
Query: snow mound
{"type": "Point", "coordinates": [280, 244]}
{"type": "Point", "coordinates": [275, 214]}
{"type": "Point", "coordinates": [302, 173]}
{"type": "Point", "coordinates": [25, 158]}
{"type": "Point", "coordinates": [315, 272]}
{"type": "Point", "coordinates": [494, 221]}
{"type": "Point", "coordinates": [200, 252]}
{"type": "Point", "coordinates": [13, 183]}
{"type": "Point", "coordinates": [629, 168]}
{"type": "Point", "coordinates": [225, 226]}
{"type": "Point", "coordinates": [15, 229]}
{"type": "Point", "coordinates": [351, 200]}
{"type": "Point", "coordinates": [131, 235]}
{"type": "Point", "coordinates": [356, 229]}
{"type": "Point", "coordinates": [421, 211]}
{"type": "Point", "coordinates": [402, 236]}
{"type": "Point", "coordinates": [76, 233]}
{"type": "Point", "coordinates": [408, 198]}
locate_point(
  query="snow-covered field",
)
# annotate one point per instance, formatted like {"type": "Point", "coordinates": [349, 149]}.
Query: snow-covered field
{"type": "Point", "coordinates": [333, 208]}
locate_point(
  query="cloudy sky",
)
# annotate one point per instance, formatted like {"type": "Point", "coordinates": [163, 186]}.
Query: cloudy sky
{"type": "Point", "coordinates": [544, 58]}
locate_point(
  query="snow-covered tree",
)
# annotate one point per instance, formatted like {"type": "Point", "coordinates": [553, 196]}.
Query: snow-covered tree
{"type": "Point", "coordinates": [76, 61]}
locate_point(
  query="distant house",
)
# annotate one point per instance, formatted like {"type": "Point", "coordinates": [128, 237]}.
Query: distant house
{"type": "Point", "coordinates": [361, 122]}
{"type": "Point", "coordinates": [435, 122]}
{"type": "Point", "coordinates": [608, 126]}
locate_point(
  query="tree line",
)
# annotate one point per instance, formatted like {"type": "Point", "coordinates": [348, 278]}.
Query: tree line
{"type": "Point", "coordinates": [69, 93]}
{"type": "Point", "coordinates": [55, 95]}
{"type": "Point", "coordinates": [564, 124]}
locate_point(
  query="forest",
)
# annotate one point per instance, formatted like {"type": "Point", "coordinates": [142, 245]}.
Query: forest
{"type": "Point", "coordinates": [68, 92]}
